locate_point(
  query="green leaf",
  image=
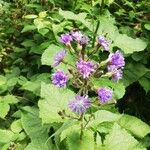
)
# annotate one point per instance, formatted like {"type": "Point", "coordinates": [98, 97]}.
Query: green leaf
{"type": "Point", "coordinates": [118, 87]}
{"type": "Point", "coordinates": [145, 83]}
{"type": "Point", "coordinates": [4, 109]}
{"type": "Point", "coordinates": [32, 86]}
{"type": "Point", "coordinates": [53, 100]}
{"type": "Point", "coordinates": [101, 116]}
{"type": "Point", "coordinates": [42, 14]}
{"type": "Point", "coordinates": [16, 126]}
{"type": "Point", "coordinates": [133, 72]}
{"type": "Point", "coordinates": [49, 54]}
{"type": "Point", "coordinates": [2, 80]}
{"type": "Point", "coordinates": [120, 139]}
{"type": "Point", "coordinates": [35, 130]}
{"type": "Point", "coordinates": [69, 15]}
{"type": "Point", "coordinates": [28, 28]}
{"type": "Point", "coordinates": [76, 143]}
{"type": "Point", "coordinates": [6, 136]}
{"type": "Point", "coordinates": [30, 16]}
{"type": "Point", "coordinates": [129, 45]}
{"type": "Point", "coordinates": [134, 125]}
{"type": "Point", "coordinates": [147, 26]}
{"type": "Point", "coordinates": [10, 99]}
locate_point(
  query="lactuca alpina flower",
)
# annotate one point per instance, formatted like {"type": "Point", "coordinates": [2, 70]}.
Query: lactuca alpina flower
{"type": "Point", "coordinates": [103, 42]}
{"type": "Point", "coordinates": [116, 59]}
{"type": "Point", "coordinates": [84, 40]}
{"type": "Point", "coordinates": [59, 58]}
{"type": "Point", "coordinates": [79, 104]}
{"type": "Point", "coordinates": [104, 94]}
{"type": "Point", "coordinates": [76, 35]}
{"type": "Point", "coordinates": [116, 73]}
{"type": "Point", "coordinates": [85, 68]}
{"type": "Point", "coordinates": [59, 79]}
{"type": "Point", "coordinates": [66, 38]}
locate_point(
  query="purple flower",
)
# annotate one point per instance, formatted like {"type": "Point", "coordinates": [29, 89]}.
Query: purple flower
{"type": "Point", "coordinates": [66, 38]}
{"type": "Point", "coordinates": [77, 35]}
{"type": "Point", "coordinates": [59, 57]}
{"type": "Point", "coordinates": [86, 68]}
{"type": "Point", "coordinates": [79, 104]}
{"type": "Point", "coordinates": [116, 59]}
{"type": "Point", "coordinates": [104, 94]}
{"type": "Point", "coordinates": [116, 73]}
{"type": "Point", "coordinates": [84, 40]}
{"type": "Point", "coordinates": [103, 42]}
{"type": "Point", "coordinates": [59, 79]}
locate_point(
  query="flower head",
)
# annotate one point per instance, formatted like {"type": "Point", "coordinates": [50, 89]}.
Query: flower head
{"type": "Point", "coordinates": [79, 104]}
{"type": "Point", "coordinates": [86, 68]}
{"type": "Point", "coordinates": [66, 38]}
{"type": "Point", "coordinates": [84, 40]}
{"type": "Point", "coordinates": [59, 79]}
{"type": "Point", "coordinates": [116, 73]}
{"type": "Point", "coordinates": [59, 57]}
{"type": "Point", "coordinates": [76, 35]}
{"type": "Point", "coordinates": [116, 59]}
{"type": "Point", "coordinates": [104, 94]}
{"type": "Point", "coordinates": [103, 42]}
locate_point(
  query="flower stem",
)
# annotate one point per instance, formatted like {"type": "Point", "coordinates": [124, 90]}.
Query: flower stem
{"type": "Point", "coordinates": [95, 33]}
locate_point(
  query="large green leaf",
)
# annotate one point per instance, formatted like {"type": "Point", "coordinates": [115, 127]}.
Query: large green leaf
{"type": "Point", "coordinates": [120, 139]}
{"type": "Point", "coordinates": [118, 87]}
{"type": "Point", "coordinates": [134, 125]}
{"type": "Point", "coordinates": [49, 54]}
{"type": "Point", "coordinates": [76, 143]}
{"type": "Point", "coordinates": [133, 72]}
{"type": "Point", "coordinates": [37, 132]}
{"type": "Point", "coordinates": [53, 100]}
{"type": "Point", "coordinates": [77, 17]}
{"type": "Point", "coordinates": [103, 116]}
{"type": "Point", "coordinates": [129, 45]}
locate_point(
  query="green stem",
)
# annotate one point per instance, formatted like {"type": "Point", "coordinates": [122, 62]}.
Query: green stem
{"type": "Point", "coordinates": [95, 33]}
{"type": "Point", "coordinates": [102, 6]}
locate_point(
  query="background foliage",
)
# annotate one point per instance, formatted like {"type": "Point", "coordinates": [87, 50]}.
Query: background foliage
{"type": "Point", "coordinates": [29, 34]}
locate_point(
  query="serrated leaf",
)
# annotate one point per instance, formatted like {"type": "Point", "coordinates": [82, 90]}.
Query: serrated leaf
{"type": "Point", "coordinates": [49, 54]}
{"type": "Point", "coordinates": [118, 88]}
{"type": "Point", "coordinates": [6, 136]}
{"type": "Point", "coordinates": [76, 143]}
{"type": "Point", "coordinates": [101, 116]}
{"type": "Point", "coordinates": [77, 17]}
{"type": "Point", "coordinates": [134, 125]}
{"type": "Point", "coordinates": [129, 45]}
{"type": "Point", "coordinates": [120, 139]}
{"type": "Point", "coordinates": [35, 130]}
{"type": "Point", "coordinates": [53, 100]}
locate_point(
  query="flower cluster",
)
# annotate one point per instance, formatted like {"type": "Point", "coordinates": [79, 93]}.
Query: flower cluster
{"type": "Point", "coordinates": [116, 64]}
{"type": "Point", "coordinates": [85, 69]}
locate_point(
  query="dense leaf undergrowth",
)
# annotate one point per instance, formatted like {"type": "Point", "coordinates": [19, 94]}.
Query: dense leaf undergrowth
{"type": "Point", "coordinates": [31, 106]}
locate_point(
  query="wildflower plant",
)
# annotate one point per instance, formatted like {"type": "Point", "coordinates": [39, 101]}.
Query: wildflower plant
{"type": "Point", "coordinates": [84, 69]}
{"type": "Point", "coordinates": [85, 85]}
